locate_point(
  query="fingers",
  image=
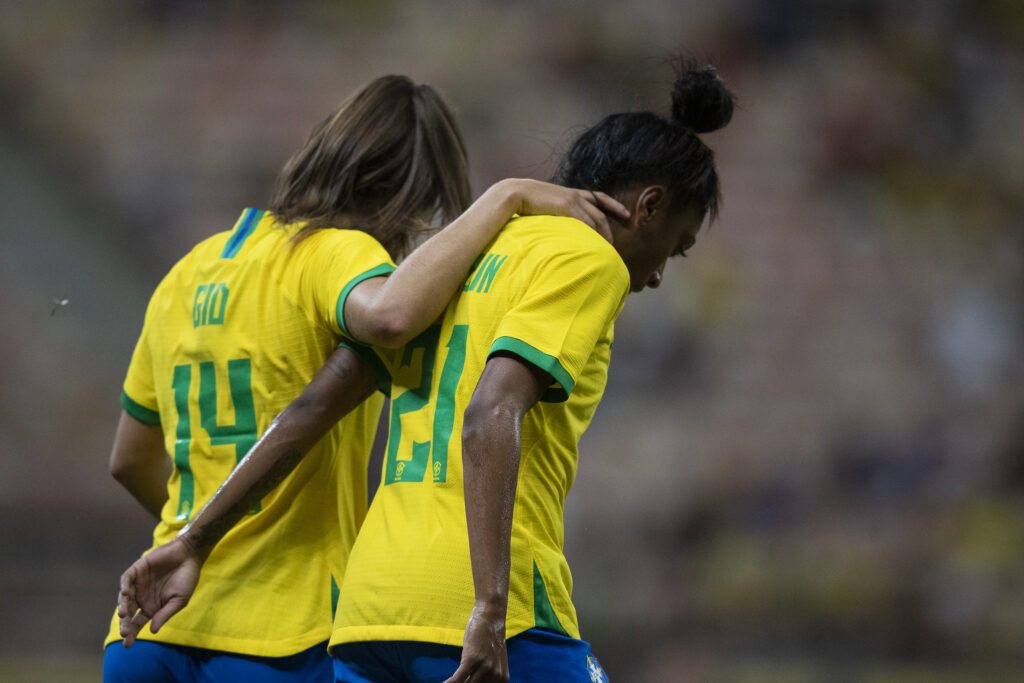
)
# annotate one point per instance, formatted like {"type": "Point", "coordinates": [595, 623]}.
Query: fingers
{"type": "Point", "coordinates": [600, 224]}
{"type": "Point", "coordinates": [610, 204]}
{"type": "Point", "coordinates": [476, 670]}
{"type": "Point", "coordinates": [173, 606]}
{"type": "Point", "coordinates": [596, 217]}
{"type": "Point", "coordinates": [130, 627]}
{"type": "Point", "coordinates": [126, 604]}
{"type": "Point", "coordinates": [462, 674]}
{"type": "Point", "coordinates": [589, 206]}
{"type": "Point", "coordinates": [128, 608]}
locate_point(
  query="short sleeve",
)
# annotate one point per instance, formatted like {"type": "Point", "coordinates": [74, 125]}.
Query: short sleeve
{"type": "Point", "coordinates": [377, 360]}
{"type": "Point", "coordinates": [571, 299]}
{"type": "Point", "coordinates": [138, 397]}
{"type": "Point", "coordinates": [332, 262]}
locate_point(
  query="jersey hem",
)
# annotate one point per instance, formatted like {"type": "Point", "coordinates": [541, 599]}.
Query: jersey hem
{"type": "Point", "coordinates": [252, 648]}
{"type": "Point", "coordinates": [420, 634]}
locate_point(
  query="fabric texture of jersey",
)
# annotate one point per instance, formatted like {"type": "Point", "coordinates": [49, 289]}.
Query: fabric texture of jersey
{"type": "Point", "coordinates": [546, 290]}
{"type": "Point", "coordinates": [231, 336]}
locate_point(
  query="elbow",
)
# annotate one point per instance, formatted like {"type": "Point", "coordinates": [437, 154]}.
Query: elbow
{"type": "Point", "coordinates": [388, 327]}
{"type": "Point", "coordinates": [483, 423]}
{"type": "Point", "coordinates": [392, 335]}
{"type": "Point", "coordinates": [476, 416]}
{"type": "Point", "coordinates": [120, 470]}
{"type": "Point", "coordinates": [392, 329]}
{"type": "Point", "coordinates": [381, 319]}
{"type": "Point", "coordinates": [473, 422]}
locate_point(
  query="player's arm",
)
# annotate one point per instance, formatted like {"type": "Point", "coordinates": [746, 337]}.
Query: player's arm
{"type": "Point", "coordinates": [160, 583]}
{"type": "Point", "coordinates": [388, 312]}
{"type": "Point", "coordinates": [491, 444]}
{"type": "Point", "coordinates": [139, 462]}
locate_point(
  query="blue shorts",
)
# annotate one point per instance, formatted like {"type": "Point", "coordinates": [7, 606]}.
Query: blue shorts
{"type": "Point", "coordinates": [149, 662]}
{"type": "Point", "coordinates": [534, 655]}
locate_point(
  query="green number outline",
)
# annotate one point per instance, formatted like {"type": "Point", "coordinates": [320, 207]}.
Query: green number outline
{"type": "Point", "coordinates": [415, 399]}
{"type": "Point", "coordinates": [242, 434]}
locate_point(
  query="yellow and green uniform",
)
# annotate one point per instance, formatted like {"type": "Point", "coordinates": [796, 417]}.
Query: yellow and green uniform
{"type": "Point", "coordinates": [547, 290]}
{"type": "Point", "coordinates": [231, 336]}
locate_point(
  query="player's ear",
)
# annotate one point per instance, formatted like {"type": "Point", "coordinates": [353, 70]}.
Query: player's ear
{"type": "Point", "coordinates": [650, 202]}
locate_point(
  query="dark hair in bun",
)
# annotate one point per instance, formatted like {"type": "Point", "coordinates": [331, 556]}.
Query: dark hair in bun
{"type": "Point", "coordinates": [700, 100]}
{"type": "Point", "coordinates": [627, 150]}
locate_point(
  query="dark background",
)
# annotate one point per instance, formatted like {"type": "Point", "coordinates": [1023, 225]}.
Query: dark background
{"type": "Point", "coordinates": [809, 464]}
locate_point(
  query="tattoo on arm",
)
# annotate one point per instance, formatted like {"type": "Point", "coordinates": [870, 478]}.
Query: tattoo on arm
{"type": "Point", "coordinates": [336, 388]}
{"type": "Point", "coordinates": [208, 534]}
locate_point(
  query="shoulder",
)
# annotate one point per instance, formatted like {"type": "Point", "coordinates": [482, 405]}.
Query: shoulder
{"type": "Point", "coordinates": [561, 234]}
{"type": "Point", "coordinates": [203, 252]}
{"type": "Point", "coordinates": [352, 239]}
{"type": "Point", "coordinates": [328, 245]}
{"type": "Point", "coordinates": [558, 242]}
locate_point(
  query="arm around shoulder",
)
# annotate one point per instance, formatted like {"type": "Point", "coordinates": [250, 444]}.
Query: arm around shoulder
{"type": "Point", "coordinates": [390, 312]}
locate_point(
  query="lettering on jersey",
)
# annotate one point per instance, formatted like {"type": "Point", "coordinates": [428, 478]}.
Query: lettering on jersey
{"type": "Point", "coordinates": [209, 305]}
{"type": "Point", "coordinates": [484, 271]}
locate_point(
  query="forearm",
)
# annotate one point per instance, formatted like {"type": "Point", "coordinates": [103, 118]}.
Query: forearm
{"type": "Point", "coordinates": [272, 458]}
{"type": "Point", "coordinates": [341, 385]}
{"type": "Point", "coordinates": [491, 451]}
{"type": "Point", "coordinates": [391, 312]}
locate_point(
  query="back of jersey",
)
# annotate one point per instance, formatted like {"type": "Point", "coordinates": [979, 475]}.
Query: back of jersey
{"type": "Point", "coordinates": [232, 335]}
{"type": "Point", "coordinates": [546, 291]}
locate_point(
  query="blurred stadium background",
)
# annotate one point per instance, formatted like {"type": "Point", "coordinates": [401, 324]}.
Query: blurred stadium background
{"type": "Point", "coordinates": [810, 462]}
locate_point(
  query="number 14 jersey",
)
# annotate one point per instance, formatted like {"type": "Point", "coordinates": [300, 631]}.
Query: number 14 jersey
{"type": "Point", "coordinates": [232, 335]}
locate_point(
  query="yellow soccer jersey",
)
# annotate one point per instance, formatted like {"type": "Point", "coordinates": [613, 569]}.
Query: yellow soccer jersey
{"type": "Point", "coordinates": [548, 290]}
{"type": "Point", "coordinates": [231, 336]}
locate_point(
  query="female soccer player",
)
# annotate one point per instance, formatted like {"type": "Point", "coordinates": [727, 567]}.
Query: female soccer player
{"type": "Point", "coordinates": [463, 542]}
{"type": "Point", "coordinates": [237, 329]}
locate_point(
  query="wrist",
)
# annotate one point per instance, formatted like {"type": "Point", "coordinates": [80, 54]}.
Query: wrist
{"type": "Point", "coordinates": [493, 606]}
{"type": "Point", "coordinates": [191, 545]}
{"type": "Point", "coordinates": [509, 194]}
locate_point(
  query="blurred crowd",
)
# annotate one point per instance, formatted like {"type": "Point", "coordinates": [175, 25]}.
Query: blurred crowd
{"type": "Point", "coordinates": [810, 457]}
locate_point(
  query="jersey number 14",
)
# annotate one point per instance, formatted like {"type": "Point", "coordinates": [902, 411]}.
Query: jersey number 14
{"type": "Point", "coordinates": [242, 434]}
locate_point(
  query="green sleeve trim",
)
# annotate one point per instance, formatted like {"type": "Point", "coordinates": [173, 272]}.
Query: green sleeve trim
{"type": "Point", "coordinates": [543, 613]}
{"type": "Point", "coordinates": [138, 411]}
{"type": "Point", "coordinates": [367, 355]}
{"type": "Point", "coordinates": [543, 361]}
{"type": "Point", "coordinates": [382, 269]}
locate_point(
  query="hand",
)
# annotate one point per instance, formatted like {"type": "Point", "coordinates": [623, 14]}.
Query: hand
{"type": "Point", "coordinates": [540, 198]}
{"type": "Point", "coordinates": [484, 657]}
{"type": "Point", "coordinates": [156, 587]}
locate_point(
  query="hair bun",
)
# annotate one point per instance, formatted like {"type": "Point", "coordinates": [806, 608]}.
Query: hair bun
{"type": "Point", "coordinates": [700, 100]}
